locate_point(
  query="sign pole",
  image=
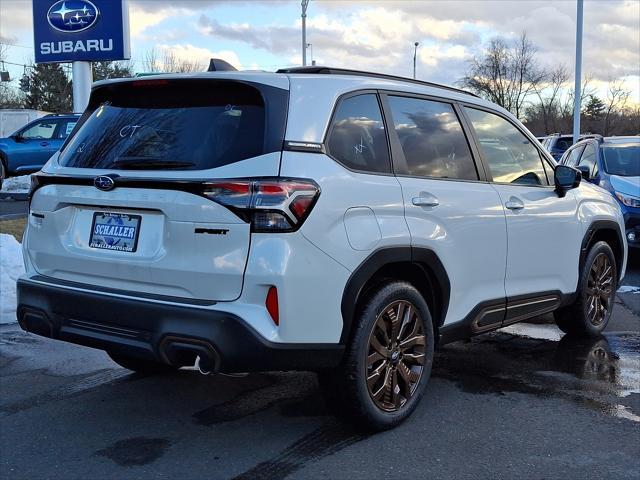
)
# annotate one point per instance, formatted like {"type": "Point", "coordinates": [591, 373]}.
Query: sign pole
{"type": "Point", "coordinates": [82, 80]}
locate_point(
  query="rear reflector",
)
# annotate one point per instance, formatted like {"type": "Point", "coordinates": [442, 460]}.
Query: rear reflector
{"type": "Point", "coordinates": [272, 305]}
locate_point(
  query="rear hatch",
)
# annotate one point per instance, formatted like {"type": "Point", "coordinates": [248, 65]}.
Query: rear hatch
{"type": "Point", "coordinates": [122, 206]}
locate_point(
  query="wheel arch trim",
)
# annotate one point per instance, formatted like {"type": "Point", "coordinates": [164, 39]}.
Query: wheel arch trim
{"type": "Point", "coordinates": [592, 230]}
{"type": "Point", "coordinates": [420, 257]}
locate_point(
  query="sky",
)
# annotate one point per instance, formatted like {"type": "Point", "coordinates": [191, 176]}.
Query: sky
{"type": "Point", "coordinates": [375, 35]}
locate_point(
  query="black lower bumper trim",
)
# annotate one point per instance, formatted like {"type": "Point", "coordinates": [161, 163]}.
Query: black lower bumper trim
{"type": "Point", "coordinates": [166, 333]}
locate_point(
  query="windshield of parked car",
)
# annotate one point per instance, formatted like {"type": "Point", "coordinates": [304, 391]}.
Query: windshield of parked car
{"type": "Point", "coordinates": [182, 125]}
{"type": "Point", "coordinates": [623, 160]}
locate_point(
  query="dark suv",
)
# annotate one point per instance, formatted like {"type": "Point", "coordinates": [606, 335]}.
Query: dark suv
{"type": "Point", "coordinates": [28, 149]}
{"type": "Point", "coordinates": [557, 144]}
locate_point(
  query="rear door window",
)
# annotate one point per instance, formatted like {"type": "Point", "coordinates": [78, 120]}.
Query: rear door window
{"type": "Point", "coordinates": [357, 138]}
{"type": "Point", "coordinates": [182, 125]}
{"type": "Point", "coordinates": [432, 139]}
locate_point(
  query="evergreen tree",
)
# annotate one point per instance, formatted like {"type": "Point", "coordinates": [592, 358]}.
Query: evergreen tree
{"type": "Point", "coordinates": [594, 108]}
{"type": "Point", "coordinates": [105, 70]}
{"type": "Point", "coordinates": [47, 88]}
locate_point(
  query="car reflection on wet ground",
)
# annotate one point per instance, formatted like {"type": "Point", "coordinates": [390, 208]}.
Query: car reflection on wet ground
{"type": "Point", "coordinates": [602, 373]}
{"type": "Point", "coordinates": [524, 402]}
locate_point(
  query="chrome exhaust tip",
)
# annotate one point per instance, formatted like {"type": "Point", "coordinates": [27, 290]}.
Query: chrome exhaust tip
{"type": "Point", "coordinates": [203, 366]}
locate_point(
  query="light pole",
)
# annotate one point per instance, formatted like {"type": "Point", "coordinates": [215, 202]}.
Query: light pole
{"type": "Point", "coordinates": [305, 4]}
{"type": "Point", "coordinates": [578, 80]}
{"type": "Point", "coordinates": [415, 52]}
{"type": "Point", "coordinates": [310, 46]}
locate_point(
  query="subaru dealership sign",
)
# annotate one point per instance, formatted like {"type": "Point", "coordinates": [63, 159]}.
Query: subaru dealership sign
{"type": "Point", "coordinates": [80, 30]}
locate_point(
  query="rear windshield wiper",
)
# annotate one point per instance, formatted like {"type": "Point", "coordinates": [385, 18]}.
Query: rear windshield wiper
{"type": "Point", "coordinates": [142, 163]}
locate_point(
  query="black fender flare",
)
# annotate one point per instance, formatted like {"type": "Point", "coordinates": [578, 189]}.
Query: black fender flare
{"type": "Point", "coordinates": [422, 257]}
{"type": "Point", "coordinates": [595, 227]}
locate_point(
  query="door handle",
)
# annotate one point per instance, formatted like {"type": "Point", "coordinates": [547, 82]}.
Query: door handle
{"type": "Point", "coordinates": [425, 200]}
{"type": "Point", "coordinates": [514, 203]}
{"type": "Point", "coordinates": [44, 144]}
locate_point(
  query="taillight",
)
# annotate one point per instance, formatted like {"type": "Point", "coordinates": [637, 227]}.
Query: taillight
{"type": "Point", "coordinates": [270, 205]}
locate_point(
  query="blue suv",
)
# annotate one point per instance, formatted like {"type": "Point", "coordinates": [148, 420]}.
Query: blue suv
{"type": "Point", "coordinates": [614, 164]}
{"type": "Point", "coordinates": [28, 149]}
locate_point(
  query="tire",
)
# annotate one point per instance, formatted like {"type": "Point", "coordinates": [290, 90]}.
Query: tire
{"type": "Point", "coordinates": [589, 315]}
{"type": "Point", "coordinates": [397, 375]}
{"type": "Point", "coordinates": [3, 171]}
{"type": "Point", "coordinates": [141, 366]}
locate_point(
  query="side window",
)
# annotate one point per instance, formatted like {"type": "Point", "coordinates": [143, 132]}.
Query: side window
{"type": "Point", "coordinates": [589, 157]}
{"type": "Point", "coordinates": [42, 130]}
{"type": "Point", "coordinates": [432, 139]}
{"type": "Point", "coordinates": [357, 138]}
{"type": "Point", "coordinates": [66, 126]}
{"type": "Point", "coordinates": [573, 156]}
{"type": "Point", "coordinates": [512, 158]}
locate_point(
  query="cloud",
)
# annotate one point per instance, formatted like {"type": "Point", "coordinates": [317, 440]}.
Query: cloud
{"type": "Point", "coordinates": [200, 55]}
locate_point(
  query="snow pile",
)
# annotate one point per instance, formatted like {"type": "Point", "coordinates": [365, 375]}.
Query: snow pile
{"type": "Point", "coordinates": [19, 184]}
{"type": "Point", "coordinates": [11, 267]}
{"type": "Point", "coordinates": [628, 289]}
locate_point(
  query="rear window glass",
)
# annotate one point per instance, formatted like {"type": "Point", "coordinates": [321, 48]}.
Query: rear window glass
{"type": "Point", "coordinates": [181, 125]}
{"type": "Point", "coordinates": [357, 138]}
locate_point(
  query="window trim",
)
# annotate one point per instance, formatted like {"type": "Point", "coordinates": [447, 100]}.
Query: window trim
{"type": "Point", "coordinates": [544, 155]}
{"type": "Point", "coordinates": [397, 154]}
{"type": "Point", "coordinates": [330, 127]}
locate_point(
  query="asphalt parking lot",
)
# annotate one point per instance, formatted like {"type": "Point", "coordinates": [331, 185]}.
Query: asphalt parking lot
{"type": "Point", "coordinates": [520, 403]}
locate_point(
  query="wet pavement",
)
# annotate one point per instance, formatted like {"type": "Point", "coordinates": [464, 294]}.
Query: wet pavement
{"type": "Point", "coordinates": [522, 402]}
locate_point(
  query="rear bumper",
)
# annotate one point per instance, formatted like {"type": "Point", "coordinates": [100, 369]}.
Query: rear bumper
{"type": "Point", "coordinates": [163, 332]}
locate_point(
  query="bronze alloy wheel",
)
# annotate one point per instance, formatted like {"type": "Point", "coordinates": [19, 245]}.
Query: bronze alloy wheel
{"type": "Point", "coordinates": [396, 355]}
{"type": "Point", "coordinates": [599, 289]}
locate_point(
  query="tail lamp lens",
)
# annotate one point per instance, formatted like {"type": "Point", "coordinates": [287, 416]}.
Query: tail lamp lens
{"type": "Point", "coordinates": [272, 305]}
{"type": "Point", "coordinates": [270, 205]}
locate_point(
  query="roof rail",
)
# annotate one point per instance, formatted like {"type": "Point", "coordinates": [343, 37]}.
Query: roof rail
{"type": "Point", "coordinates": [346, 71]}
{"type": "Point", "coordinates": [61, 114]}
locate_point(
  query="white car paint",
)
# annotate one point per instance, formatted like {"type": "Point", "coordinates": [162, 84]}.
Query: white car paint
{"type": "Point", "coordinates": [488, 252]}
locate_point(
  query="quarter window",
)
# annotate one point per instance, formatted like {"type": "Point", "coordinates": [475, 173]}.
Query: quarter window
{"type": "Point", "coordinates": [432, 139]}
{"type": "Point", "coordinates": [511, 156]}
{"type": "Point", "coordinates": [357, 138]}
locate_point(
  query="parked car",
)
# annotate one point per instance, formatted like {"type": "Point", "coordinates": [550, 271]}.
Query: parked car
{"type": "Point", "coordinates": [309, 219]}
{"type": "Point", "coordinates": [557, 144]}
{"type": "Point", "coordinates": [28, 149]}
{"type": "Point", "coordinates": [614, 164]}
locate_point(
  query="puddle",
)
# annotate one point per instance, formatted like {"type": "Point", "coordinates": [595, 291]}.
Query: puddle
{"type": "Point", "coordinates": [602, 373]}
{"type": "Point", "coordinates": [136, 451]}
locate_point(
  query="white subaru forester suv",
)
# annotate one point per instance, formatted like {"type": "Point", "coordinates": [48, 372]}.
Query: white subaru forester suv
{"type": "Point", "coordinates": [310, 219]}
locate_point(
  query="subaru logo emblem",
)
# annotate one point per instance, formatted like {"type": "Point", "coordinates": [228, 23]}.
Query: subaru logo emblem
{"type": "Point", "coordinates": [72, 16]}
{"type": "Point", "coordinates": [104, 183]}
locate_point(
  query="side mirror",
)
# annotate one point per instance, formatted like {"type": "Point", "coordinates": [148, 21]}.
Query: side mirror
{"type": "Point", "coordinates": [585, 171]}
{"type": "Point", "coordinates": [566, 178]}
{"type": "Point", "coordinates": [18, 138]}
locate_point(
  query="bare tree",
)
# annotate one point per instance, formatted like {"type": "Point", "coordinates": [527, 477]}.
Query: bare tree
{"type": "Point", "coordinates": [549, 93]}
{"type": "Point", "coordinates": [617, 98]}
{"type": "Point", "coordinates": [506, 74]}
{"type": "Point", "coordinates": [168, 61]}
{"type": "Point", "coordinates": [10, 95]}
